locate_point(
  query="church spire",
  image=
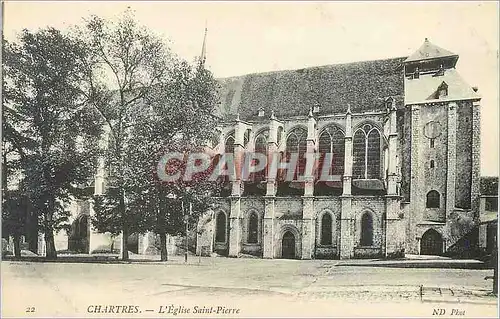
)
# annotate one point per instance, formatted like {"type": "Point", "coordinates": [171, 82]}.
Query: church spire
{"type": "Point", "coordinates": [203, 55]}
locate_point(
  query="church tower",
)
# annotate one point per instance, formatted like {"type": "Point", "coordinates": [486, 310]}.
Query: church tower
{"type": "Point", "coordinates": [444, 148]}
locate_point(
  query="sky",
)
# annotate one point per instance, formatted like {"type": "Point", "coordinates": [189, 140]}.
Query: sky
{"type": "Point", "coordinates": [249, 37]}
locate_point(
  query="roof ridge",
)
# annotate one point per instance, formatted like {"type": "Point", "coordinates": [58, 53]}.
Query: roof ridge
{"type": "Point", "coordinates": [311, 67]}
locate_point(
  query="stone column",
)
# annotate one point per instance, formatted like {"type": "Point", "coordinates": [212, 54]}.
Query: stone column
{"type": "Point", "coordinates": [308, 229]}
{"type": "Point", "coordinates": [415, 193]}
{"type": "Point", "coordinates": [483, 237]}
{"type": "Point", "coordinates": [395, 231]}
{"type": "Point", "coordinates": [451, 158]}
{"type": "Point", "coordinates": [239, 152]}
{"type": "Point", "coordinates": [268, 233]}
{"type": "Point", "coordinates": [476, 158]}
{"type": "Point", "coordinates": [310, 156]}
{"type": "Point", "coordinates": [393, 142]}
{"type": "Point", "coordinates": [272, 149]}
{"type": "Point", "coordinates": [347, 183]}
{"type": "Point", "coordinates": [235, 227]}
{"type": "Point", "coordinates": [346, 229]}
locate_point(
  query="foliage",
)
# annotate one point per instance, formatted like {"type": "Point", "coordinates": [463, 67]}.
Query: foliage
{"type": "Point", "coordinates": [50, 126]}
{"type": "Point", "coordinates": [148, 98]}
{"type": "Point", "coordinates": [126, 62]}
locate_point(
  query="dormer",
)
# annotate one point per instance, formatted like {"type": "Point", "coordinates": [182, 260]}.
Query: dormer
{"type": "Point", "coordinates": [429, 58]}
{"type": "Point", "coordinates": [261, 112]}
{"type": "Point", "coordinates": [440, 93]}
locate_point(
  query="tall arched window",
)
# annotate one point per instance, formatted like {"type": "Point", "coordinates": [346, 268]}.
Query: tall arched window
{"type": "Point", "coordinates": [229, 145]}
{"type": "Point", "coordinates": [326, 229]}
{"type": "Point", "coordinates": [253, 228]}
{"type": "Point", "coordinates": [433, 199]}
{"type": "Point", "coordinates": [228, 149]}
{"type": "Point", "coordinates": [220, 228]}
{"type": "Point", "coordinates": [280, 135]}
{"type": "Point", "coordinates": [296, 143]}
{"type": "Point", "coordinates": [246, 137]}
{"type": "Point", "coordinates": [366, 153]}
{"type": "Point", "coordinates": [261, 148]}
{"type": "Point", "coordinates": [331, 141]}
{"type": "Point", "coordinates": [366, 230]}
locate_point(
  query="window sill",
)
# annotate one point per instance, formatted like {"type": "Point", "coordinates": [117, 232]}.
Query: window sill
{"type": "Point", "coordinates": [325, 246]}
{"type": "Point", "coordinates": [251, 244]}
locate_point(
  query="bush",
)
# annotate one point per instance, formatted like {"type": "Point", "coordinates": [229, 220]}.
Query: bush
{"type": "Point", "coordinates": [5, 248]}
{"type": "Point", "coordinates": [105, 251]}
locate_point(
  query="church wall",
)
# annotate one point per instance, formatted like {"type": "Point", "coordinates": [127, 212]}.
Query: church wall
{"type": "Point", "coordinates": [288, 208]}
{"type": "Point", "coordinates": [281, 225]}
{"type": "Point", "coordinates": [404, 151]}
{"type": "Point", "coordinates": [425, 178]}
{"type": "Point", "coordinates": [375, 206]}
{"type": "Point", "coordinates": [249, 205]}
{"type": "Point", "coordinates": [434, 178]}
{"type": "Point", "coordinates": [463, 173]}
{"type": "Point", "coordinates": [447, 165]}
{"type": "Point", "coordinates": [332, 206]}
{"type": "Point", "coordinates": [288, 216]}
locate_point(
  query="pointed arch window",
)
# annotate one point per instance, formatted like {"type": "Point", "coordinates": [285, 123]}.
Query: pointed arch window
{"type": "Point", "coordinates": [229, 144]}
{"type": "Point", "coordinates": [261, 148]}
{"type": "Point", "coordinates": [253, 228]}
{"type": "Point", "coordinates": [228, 149]}
{"type": "Point", "coordinates": [331, 141]}
{"type": "Point", "coordinates": [220, 228]}
{"type": "Point", "coordinates": [433, 199]}
{"type": "Point", "coordinates": [366, 230]}
{"type": "Point", "coordinates": [296, 143]}
{"type": "Point", "coordinates": [326, 229]}
{"type": "Point", "coordinates": [280, 135]}
{"type": "Point", "coordinates": [246, 137]}
{"type": "Point", "coordinates": [366, 153]}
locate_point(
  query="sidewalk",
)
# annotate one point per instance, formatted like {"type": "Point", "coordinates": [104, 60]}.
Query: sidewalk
{"type": "Point", "coordinates": [410, 261]}
{"type": "Point", "coordinates": [438, 262]}
{"type": "Point", "coordinates": [469, 295]}
{"type": "Point", "coordinates": [106, 258]}
{"type": "Point", "coordinates": [458, 295]}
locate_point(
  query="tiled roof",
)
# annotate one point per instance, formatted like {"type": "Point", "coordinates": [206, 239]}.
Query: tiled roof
{"type": "Point", "coordinates": [423, 88]}
{"type": "Point", "coordinates": [363, 85]}
{"type": "Point", "coordinates": [429, 51]}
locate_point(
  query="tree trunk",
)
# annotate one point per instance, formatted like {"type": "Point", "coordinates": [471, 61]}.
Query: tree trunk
{"type": "Point", "coordinates": [124, 248]}
{"type": "Point", "coordinates": [17, 246]}
{"type": "Point", "coordinates": [163, 246]}
{"type": "Point", "coordinates": [50, 247]}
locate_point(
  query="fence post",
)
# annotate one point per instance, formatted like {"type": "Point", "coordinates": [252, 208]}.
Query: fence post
{"type": "Point", "coordinates": [495, 269]}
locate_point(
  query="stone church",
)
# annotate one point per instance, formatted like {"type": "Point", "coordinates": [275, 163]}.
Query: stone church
{"type": "Point", "coordinates": [405, 134]}
{"type": "Point", "coordinates": [405, 137]}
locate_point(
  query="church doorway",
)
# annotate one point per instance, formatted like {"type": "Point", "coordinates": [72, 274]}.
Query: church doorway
{"type": "Point", "coordinates": [288, 245]}
{"type": "Point", "coordinates": [431, 243]}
